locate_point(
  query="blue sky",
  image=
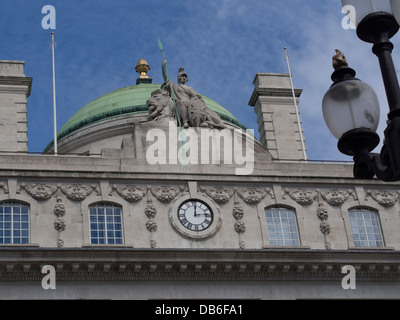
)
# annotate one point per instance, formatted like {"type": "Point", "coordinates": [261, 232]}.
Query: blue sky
{"type": "Point", "coordinates": [221, 43]}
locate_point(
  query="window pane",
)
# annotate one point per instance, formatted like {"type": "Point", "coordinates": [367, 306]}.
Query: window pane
{"type": "Point", "coordinates": [282, 227]}
{"type": "Point", "coordinates": [104, 220]}
{"type": "Point", "coordinates": [14, 223]}
{"type": "Point", "coordinates": [366, 228]}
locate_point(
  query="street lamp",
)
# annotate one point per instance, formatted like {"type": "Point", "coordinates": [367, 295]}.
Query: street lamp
{"type": "Point", "coordinates": [396, 9]}
{"type": "Point", "coordinates": [376, 24]}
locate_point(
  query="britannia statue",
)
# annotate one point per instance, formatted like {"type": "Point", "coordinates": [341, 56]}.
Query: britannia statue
{"type": "Point", "coordinates": [191, 108]}
{"type": "Point", "coordinates": [182, 102]}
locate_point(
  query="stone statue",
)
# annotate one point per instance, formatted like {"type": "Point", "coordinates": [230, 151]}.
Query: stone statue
{"type": "Point", "coordinates": [160, 105]}
{"type": "Point", "coordinates": [191, 108]}
{"type": "Point", "coordinates": [339, 60]}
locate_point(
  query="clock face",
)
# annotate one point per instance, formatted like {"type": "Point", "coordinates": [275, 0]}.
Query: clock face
{"type": "Point", "coordinates": [195, 215]}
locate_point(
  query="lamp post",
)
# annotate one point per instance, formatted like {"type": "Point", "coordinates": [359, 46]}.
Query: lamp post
{"type": "Point", "coordinates": [376, 23]}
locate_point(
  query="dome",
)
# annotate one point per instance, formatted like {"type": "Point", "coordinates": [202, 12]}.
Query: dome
{"type": "Point", "coordinates": [123, 102]}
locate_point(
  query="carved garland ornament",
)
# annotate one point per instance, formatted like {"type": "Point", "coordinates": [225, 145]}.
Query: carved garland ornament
{"type": "Point", "coordinates": [302, 196]}
{"type": "Point", "coordinates": [78, 192]}
{"type": "Point", "coordinates": [335, 197]}
{"type": "Point", "coordinates": [165, 194]}
{"type": "Point", "coordinates": [130, 193]}
{"type": "Point", "coordinates": [238, 213]}
{"type": "Point", "coordinates": [384, 198]}
{"type": "Point", "coordinates": [40, 191]}
{"type": "Point", "coordinates": [59, 224]}
{"type": "Point", "coordinates": [324, 227]}
{"type": "Point", "coordinates": [219, 194]}
{"type": "Point", "coordinates": [252, 195]}
{"type": "Point", "coordinates": [151, 211]}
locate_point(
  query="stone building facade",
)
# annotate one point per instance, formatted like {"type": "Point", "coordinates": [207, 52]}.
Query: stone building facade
{"type": "Point", "coordinates": [112, 225]}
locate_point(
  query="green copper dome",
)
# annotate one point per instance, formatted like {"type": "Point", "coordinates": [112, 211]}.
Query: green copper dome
{"type": "Point", "coordinates": [124, 101]}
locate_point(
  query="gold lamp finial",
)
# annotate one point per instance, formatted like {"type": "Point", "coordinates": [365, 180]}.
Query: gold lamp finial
{"type": "Point", "coordinates": [142, 67]}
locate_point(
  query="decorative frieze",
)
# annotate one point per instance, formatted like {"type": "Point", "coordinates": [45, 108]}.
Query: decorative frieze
{"type": "Point", "coordinates": [78, 192]}
{"type": "Point", "coordinates": [130, 193]}
{"type": "Point", "coordinates": [165, 194]}
{"type": "Point", "coordinates": [39, 191]}
{"type": "Point", "coordinates": [301, 196]}
{"type": "Point", "coordinates": [42, 191]}
{"type": "Point", "coordinates": [384, 198]}
{"type": "Point", "coordinates": [333, 197]}
{"type": "Point", "coordinates": [336, 197]}
{"type": "Point", "coordinates": [253, 195]}
{"type": "Point", "coordinates": [219, 194]}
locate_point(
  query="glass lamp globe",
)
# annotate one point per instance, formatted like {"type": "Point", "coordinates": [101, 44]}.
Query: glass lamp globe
{"type": "Point", "coordinates": [396, 9]}
{"type": "Point", "coordinates": [366, 7]}
{"type": "Point", "coordinates": [349, 105]}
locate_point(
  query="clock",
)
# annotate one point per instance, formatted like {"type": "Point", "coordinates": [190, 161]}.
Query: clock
{"type": "Point", "coordinates": [195, 215]}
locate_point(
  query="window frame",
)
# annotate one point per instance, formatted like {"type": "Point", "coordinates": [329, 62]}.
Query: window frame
{"type": "Point", "coordinates": [378, 220]}
{"type": "Point", "coordinates": [271, 243]}
{"type": "Point", "coordinates": [106, 230]}
{"type": "Point", "coordinates": [13, 221]}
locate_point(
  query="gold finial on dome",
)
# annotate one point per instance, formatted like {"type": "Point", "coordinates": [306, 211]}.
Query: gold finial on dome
{"type": "Point", "coordinates": [142, 67]}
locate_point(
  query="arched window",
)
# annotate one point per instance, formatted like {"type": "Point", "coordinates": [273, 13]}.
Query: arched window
{"type": "Point", "coordinates": [105, 224]}
{"type": "Point", "coordinates": [366, 228]}
{"type": "Point", "coordinates": [282, 227]}
{"type": "Point", "coordinates": [14, 223]}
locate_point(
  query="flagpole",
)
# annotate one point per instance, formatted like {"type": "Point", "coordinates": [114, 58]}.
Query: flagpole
{"type": "Point", "coordinates": [169, 82]}
{"type": "Point", "coordinates": [173, 98]}
{"type": "Point", "coordinates": [296, 107]}
{"type": "Point", "coordinates": [53, 46]}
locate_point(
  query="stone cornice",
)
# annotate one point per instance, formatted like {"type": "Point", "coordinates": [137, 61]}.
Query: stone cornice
{"type": "Point", "coordinates": [128, 264]}
{"type": "Point", "coordinates": [91, 166]}
{"type": "Point", "coordinates": [275, 92]}
{"type": "Point", "coordinates": [12, 83]}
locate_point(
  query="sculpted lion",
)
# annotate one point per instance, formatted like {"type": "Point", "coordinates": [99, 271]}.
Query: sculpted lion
{"type": "Point", "coordinates": [160, 105]}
